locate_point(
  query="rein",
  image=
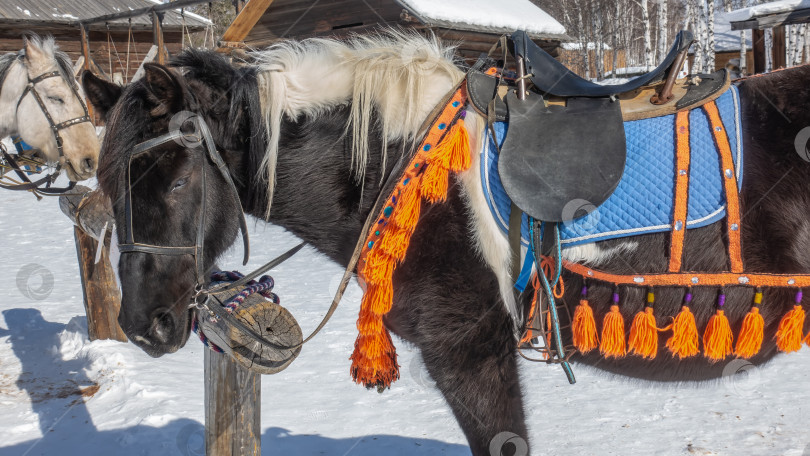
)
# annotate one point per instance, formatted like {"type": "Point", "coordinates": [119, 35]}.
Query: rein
{"type": "Point", "coordinates": [48, 180]}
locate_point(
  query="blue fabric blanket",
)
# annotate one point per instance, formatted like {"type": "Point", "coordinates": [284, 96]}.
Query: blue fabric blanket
{"type": "Point", "coordinates": [643, 201]}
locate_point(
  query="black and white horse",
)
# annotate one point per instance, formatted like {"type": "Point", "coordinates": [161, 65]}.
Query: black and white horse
{"type": "Point", "coordinates": [310, 132]}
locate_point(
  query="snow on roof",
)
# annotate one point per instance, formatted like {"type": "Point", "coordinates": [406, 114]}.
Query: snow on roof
{"type": "Point", "coordinates": [501, 16]}
{"type": "Point", "coordinates": [578, 46]}
{"type": "Point", "coordinates": [764, 9]}
{"type": "Point", "coordinates": [186, 13]}
{"type": "Point", "coordinates": [724, 38]}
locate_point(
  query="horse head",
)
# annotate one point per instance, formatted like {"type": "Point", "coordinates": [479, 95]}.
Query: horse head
{"type": "Point", "coordinates": [168, 195]}
{"type": "Point", "coordinates": [49, 112]}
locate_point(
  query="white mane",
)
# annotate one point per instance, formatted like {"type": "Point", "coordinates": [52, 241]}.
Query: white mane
{"type": "Point", "coordinates": [400, 75]}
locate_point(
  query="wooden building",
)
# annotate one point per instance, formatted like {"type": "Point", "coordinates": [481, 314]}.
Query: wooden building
{"type": "Point", "coordinates": [475, 25]}
{"type": "Point", "coordinates": [60, 19]}
{"type": "Point", "coordinates": [776, 16]}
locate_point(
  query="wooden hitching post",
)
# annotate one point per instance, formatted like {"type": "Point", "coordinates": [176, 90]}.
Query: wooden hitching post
{"type": "Point", "coordinates": [232, 408]}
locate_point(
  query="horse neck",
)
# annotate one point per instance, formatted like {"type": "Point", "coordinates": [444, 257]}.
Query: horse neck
{"type": "Point", "coordinates": [317, 197]}
{"type": "Point", "coordinates": [13, 84]}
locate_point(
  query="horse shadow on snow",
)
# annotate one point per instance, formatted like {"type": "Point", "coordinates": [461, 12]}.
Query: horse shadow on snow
{"type": "Point", "coordinates": [58, 390]}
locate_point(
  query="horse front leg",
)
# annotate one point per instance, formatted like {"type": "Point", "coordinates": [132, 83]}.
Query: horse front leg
{"type": "Point", "coordinates": [465, 337]}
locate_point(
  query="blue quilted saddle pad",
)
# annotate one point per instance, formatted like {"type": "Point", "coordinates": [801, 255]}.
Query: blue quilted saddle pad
{"type": "Point", "coordinates": [644, 199]}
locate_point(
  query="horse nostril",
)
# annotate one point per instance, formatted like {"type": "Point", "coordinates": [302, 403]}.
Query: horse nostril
{"type": "Point", "coordinates": [162, 327]}
{"type": "Point", "coordinates": [88, 165]}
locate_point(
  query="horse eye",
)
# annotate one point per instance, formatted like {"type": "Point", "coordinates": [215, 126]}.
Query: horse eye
{"type": "Point", "coordinates": [180, 183]}
{"type": "Point", "coordinates": [57, 100]}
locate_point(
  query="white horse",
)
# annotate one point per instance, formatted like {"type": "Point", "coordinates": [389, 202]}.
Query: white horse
{"type": "Point", "coordinates": [41, 102]}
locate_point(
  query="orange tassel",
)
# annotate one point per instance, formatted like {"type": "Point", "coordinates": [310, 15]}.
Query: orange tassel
{"type": "Point", "coordinates": [374, 361]}
{"type": "Point", "coordinates": [452, 154]}
{"type": "Point", "coordinates": [435, 183]}
{"type": "Point", "coordinates": [460, 159]}
{"type": "Point", "coordinates": [613, 344]}
{"type": "Point", "coordinates": [717, 339]}
{"type": "Point", "coordinates": [379, 297]}
{"type": "Point", "coordinates": [684, 340]}
{"type": "Point", "coordinates": [379, 267]}
{"type": "Point", "coordinates": [395, 243]}
{"type": "Point", "coordinates": [789, 334]}
{"type": "Point", "coordinates": [750, 340]}
{"type": "Point", "coordinates": [406, 215]}
{"type": "Point", "coordinates": [584, 328]}
{"type": "Point", "coordinates": [644, 333]}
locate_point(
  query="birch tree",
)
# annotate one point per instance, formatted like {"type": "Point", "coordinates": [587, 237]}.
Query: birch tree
{"type": "Point", "coordinates": [645, 24]}
{"type": "Point", "coordinates": [710, 65]}
{"type": "Point", "coordinates": [663, 25]}
{"type": "Point", "coordinates": [743, 44]}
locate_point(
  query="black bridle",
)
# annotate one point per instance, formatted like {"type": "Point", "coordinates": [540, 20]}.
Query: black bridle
{"type": "Point", "coordinates": [201, 137]}
{"type": "Point", "coordinates": [201, 298]}
{"type": "Point", "coordinates": [55, 130]}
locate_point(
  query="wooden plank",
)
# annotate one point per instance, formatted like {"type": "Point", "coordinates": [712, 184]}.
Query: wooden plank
{"type": "Point", "coordinates": [773, 20]}
{"type": "Point", "coordinates": [779, 48]}
{"type": "Point", "coordinates": [245, 20]}
{"type": "Point", "coordinates": [157, 31]}
{"type": "Point", "coordinates": [232, 407]}
{"type": "Point", "coordinates": [758, 43]}
{"type": "Point", "coordinates": [102, 299]}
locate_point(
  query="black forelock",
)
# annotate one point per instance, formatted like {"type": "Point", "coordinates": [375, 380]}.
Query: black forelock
{"type": "Point", "coordinates": [226, 96]}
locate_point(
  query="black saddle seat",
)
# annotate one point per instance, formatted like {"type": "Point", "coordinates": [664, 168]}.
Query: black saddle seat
{"type": "Point", "coordinates": [553, 78]}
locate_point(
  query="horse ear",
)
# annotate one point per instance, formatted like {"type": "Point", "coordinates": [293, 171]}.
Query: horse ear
{"type": "Point", "coordinates": [34, 55]}
{"type": "Point", "coordinates": [165, 87]}
{"type": "Point", "coordinates": [102, 94]}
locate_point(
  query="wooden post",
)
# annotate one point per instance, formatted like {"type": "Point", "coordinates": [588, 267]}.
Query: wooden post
{"type": "Point", "coordinates": [102, 299]}
{"type": "Point", "coordinates": [91, 213]}
{"type": "Point", "coordinates": [157, 33]}
{"type": "Point", "coordinates": [86, 55]}
{"type": "Point", "coordinates": [758, 42]}
{"type": "Point", "coordinates": [779, 48]}
{"type": "Point", "coordinates": [232, 408]}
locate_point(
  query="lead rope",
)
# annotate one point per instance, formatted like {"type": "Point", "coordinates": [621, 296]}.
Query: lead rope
{"type": "Point", "coordinates": [264, 287]}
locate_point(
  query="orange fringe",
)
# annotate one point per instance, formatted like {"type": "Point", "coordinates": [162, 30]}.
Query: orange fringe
{"type": "Point", "coordinates": [789, 334]}
{"type": "Point", "coordinates": [752, 332]}
{"type": "Point", "coordinates": [717, 339]}
{"type": "Point", "coordinates": [644, 334]}
{"type": "Point", "coordinates": [584, 328]}
{"type": "Point", "coordinates": [613, 344]}
{"type": "Point", "coordinates": [453, 154]}
{"type": "Point", "coordinates": [395, 243]}
{"type": "Point", "coordinates": [374, 360]}
{"type": "Point", "coordinates": [684, 340]}
{"type": "Point", "coordinates": [409, 206]}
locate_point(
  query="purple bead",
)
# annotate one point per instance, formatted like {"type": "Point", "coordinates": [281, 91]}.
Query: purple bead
{"type": "Point", "coordinates": [688, 297]}
{"type": "Point", "coordinates": [721, 301]}
{"type": "Point", "coordinates": [616, 298]}
{"type": "Point", "coordinates": [463, 115]}
{"type": "Point", "coordinates": [799, 297]}
{"type": "Point", "coordinates": [584, 291]}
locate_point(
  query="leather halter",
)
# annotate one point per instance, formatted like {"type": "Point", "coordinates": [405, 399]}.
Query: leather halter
{"type": "Point", "coordinates": [198, 249]}
{"type": "Point", "coordinates": [55, 129]}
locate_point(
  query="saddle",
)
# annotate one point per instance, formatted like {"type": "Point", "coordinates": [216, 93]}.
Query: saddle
{"type": "Point", "coordinates": [565, 150]}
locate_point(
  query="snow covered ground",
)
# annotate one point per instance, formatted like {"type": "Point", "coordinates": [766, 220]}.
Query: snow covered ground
{"type": "Point", "coordinates": [61, 394]}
